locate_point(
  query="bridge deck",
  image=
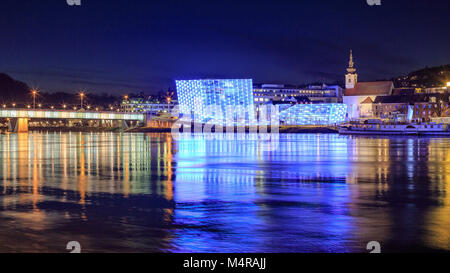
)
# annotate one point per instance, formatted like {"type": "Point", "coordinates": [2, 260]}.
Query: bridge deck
{"type": "Point", "coordinates": [55, 114]}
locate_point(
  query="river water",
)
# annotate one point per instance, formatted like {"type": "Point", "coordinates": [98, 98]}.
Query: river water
{"type": "Point", "coordinates": [116, 192]}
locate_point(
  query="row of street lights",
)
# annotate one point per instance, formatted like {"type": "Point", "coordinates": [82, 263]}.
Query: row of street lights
{"type": "Point", "coordinates": [82, 95]}
{"type": "Point", "coordinates": [64, 106]}
{"type": "Point", "coordinates": [35, 92]}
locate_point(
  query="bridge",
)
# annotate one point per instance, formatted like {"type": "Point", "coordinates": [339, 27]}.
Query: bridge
{"type": "Point", "coordinates": [18, 118]}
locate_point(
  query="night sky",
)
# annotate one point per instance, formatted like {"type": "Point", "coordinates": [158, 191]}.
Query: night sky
{"type": "Point", "coordinates": [125, 46]}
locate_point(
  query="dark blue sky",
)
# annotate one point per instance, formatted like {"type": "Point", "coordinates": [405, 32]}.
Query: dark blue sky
{"type": "Point", "coordinates": [124, 46]}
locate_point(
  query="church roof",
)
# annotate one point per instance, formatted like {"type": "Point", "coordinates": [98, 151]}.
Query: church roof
{"type": "Point", "coordinates": [382, 88]}
{"type": "Point", "coordinates": [367, 100]}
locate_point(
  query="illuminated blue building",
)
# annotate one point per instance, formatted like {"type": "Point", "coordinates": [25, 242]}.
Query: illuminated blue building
{"type": "Point", "coordinates": [314, 114]}
{"type": "Point", "coordinates": [197, 98]}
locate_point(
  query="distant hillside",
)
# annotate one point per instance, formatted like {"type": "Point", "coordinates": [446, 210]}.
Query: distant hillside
{"type": "Point", "coordinates": [12, 89]}
{"type": "Point", "coordinates": [15, 91]}
{"type": "Point", "coordinates": [427, 77]}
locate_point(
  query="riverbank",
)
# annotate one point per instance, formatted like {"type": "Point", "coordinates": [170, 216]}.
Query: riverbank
{"type": "Point", "coordinates": [282, 130]}
{"type": "Point", "coordinates": [67, 129]}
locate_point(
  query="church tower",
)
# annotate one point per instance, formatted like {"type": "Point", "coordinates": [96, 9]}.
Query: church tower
{"type": "Point", "coordinates": [351, 78]}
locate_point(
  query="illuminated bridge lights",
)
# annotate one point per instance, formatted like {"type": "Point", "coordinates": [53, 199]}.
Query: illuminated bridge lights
{"type": "Point", "coordinates": [314, 114]}
{"type": "Point", "coordinates": [69, 115]}
{"type": "Point", "coordinates": [197, 98]}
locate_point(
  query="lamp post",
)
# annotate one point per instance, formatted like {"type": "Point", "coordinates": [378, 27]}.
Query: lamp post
{"type": "Point", "coordinates": [34, 93]}
{"type": "Point", "coordinates": [81, 99]}
{"type": "Point", "coordinates": [169, 99]}
{"type": "Point", "coordinates": [125, 101]}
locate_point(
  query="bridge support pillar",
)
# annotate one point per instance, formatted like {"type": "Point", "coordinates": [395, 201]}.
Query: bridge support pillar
{"type": "Point", "coordinates": [121, 124]}
{"type": "Point", "coordinates": [149, 122]}
{"type": "Point", "coordinates": [107, 123]}
{"type": "Point", "coordinates": [124, 125]}
{"type": "Point", "coordinates": [18, 125]}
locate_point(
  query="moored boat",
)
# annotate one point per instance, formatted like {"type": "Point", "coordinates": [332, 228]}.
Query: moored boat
{"type": "Point", "coordinates": [425, 129]}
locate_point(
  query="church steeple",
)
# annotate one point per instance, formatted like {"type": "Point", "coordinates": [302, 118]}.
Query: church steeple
{"type": "Point", "coordinates": [351, 78]}
{"type": "Point", "coordinates": [351, 69]}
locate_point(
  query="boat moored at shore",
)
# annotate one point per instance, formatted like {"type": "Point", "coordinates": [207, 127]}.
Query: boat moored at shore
{"type": "Point", "coordinates": [418, 129]}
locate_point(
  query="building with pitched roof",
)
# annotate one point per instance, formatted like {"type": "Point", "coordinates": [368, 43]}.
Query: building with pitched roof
{"type": "Point", "coordinates": [359, 96]}
{"type": "Point", "coordinates": [425, 107]}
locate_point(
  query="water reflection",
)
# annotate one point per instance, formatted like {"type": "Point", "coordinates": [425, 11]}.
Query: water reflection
{"type": "Point", "coordinates": [151, 193]}
{"type": "Point", "coordinates": [95, 188]}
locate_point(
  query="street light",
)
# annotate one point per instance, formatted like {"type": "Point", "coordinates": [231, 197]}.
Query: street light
{"type": "Point", "coordinates": [64, 106]}
{"type": "Point", "coordinates": [169, 96]}
{"type": "Point", "coordinates": [125, 98]}
{"type": "Point", "coordinates": [169, 99]}
{"type": "Point", "coordinates": [82, 94]}
{"type": "Point", "coordinates": [14, 105]}
{"type": "Point", "coordinates": [34, 93]}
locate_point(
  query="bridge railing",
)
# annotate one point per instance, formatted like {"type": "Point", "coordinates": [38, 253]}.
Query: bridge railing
{"type": "Point", "coordinates": [62, 114]}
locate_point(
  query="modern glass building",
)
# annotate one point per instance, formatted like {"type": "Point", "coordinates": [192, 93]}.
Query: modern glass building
{"type": "Point", "coordinates": [314, 114]}
{"type": "Point", "coordinates": [203, 100]}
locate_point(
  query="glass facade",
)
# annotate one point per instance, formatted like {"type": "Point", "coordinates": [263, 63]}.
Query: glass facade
{"type": "Point", "coordinates": [314, 114]}
{"type": "Point", "coordinates": [205, 100]}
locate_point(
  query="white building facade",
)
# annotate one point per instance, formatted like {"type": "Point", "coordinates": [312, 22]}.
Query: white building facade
{"type": "Point", "coordinates": [359, 96]}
